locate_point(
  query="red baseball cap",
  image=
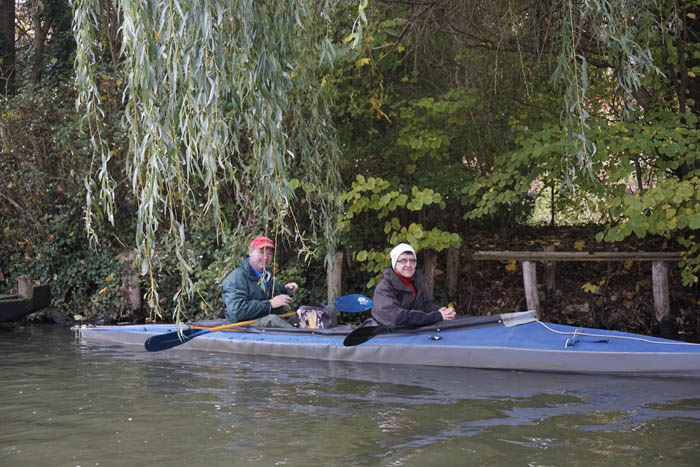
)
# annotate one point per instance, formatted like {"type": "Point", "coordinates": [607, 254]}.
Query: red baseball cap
{"type": "Point", "coordinates": [261, 242]}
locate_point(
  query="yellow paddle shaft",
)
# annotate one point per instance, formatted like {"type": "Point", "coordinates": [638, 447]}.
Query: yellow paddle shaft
{"type": "Point", "coordinates": [245, 323]}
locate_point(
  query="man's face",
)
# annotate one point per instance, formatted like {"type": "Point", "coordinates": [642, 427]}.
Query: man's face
{"type": "Point", "coordinates": [260, 258]}
{"type": "Point", "coordinates": [406, 265]}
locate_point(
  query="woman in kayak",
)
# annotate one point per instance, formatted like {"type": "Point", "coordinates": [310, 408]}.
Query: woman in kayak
{"type": "Point", "coordinates": [402, 298]}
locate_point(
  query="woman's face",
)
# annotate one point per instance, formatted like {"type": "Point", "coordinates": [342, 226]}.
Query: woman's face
{"type": "Point", "coordinates": [406, 265]}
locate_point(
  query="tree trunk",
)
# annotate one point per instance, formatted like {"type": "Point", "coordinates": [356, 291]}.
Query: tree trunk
{"type": "Point", "coordinates": [8, 54]}
{"type": "Point", "coordinates": [40, 33]}
{"type": "Point", "coordinates": [335, 277]}
{"type": "Point", "coordinates": [452, 274]}
{"type": "Point", "coordinates": [430, 266]}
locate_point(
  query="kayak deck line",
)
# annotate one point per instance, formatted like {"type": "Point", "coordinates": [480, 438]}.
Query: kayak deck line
{"type": "Point", "coordinates": [579, 332]}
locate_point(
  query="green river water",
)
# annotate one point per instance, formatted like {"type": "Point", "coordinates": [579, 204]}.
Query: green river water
{"type": "Point", "coordinates": [68, 403]}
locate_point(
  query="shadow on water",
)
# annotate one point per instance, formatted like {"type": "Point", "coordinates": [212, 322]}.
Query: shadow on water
{"type": "Point", "coordinates": [117, 405]}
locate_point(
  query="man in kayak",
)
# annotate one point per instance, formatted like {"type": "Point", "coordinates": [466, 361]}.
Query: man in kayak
{"type": "Point", "coordinates": [250, 291]}
{"type": "Point", "coordinates": [402, 298]}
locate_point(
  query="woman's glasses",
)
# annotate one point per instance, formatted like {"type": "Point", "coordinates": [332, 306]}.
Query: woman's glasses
{"type": "Point", "coordinates": [403, 261]}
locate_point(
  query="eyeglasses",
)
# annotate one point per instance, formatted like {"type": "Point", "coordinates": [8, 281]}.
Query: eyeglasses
{"type": "Point", "coordinates": [407, 260]}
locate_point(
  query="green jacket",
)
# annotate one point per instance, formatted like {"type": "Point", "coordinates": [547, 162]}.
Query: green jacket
{"type": "Point", "coordinates": [245, 298]}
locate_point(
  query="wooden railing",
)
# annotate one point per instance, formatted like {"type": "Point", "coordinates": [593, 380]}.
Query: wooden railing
{"type": "Point", "coordinates": [659, 270]}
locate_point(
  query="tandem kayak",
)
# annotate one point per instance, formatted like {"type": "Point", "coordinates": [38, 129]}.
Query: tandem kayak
{"type": "Point", "coordinates": [512, 341]}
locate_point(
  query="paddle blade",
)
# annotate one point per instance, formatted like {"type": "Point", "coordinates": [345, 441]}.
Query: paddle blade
{"type": "Point", "coordinates": [361, 335]}
{"type": "Point", "coordinates": [353, 303]}
{"type": "Point", "coordinates": [171, 339]}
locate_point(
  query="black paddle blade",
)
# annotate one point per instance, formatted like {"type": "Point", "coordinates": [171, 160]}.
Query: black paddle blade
{"type": "Point", "coordinates": [362, 335]}
{"type": "Point", "coordinates": [171, 339]}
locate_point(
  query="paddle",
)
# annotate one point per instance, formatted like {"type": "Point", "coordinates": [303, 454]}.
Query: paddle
{"type": "Point", "coordinates": [354, 303]}
{"type": "Point", "coordinates": [365, 333]}
{"type": "Point", "coordinates": [173, 339]}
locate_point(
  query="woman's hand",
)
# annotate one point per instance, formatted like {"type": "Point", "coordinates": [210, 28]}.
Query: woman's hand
{"type": "Point", "coordinates": [447, 313]}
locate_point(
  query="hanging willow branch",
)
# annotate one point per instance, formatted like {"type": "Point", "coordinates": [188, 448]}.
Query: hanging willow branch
{"type": "Point", "coordinates": [218, 93]}
{"type": "Point", "coordinates": [611, 26]}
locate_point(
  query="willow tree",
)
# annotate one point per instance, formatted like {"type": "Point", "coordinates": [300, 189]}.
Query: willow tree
{"type": "Point", "coordinates": [222, 93]}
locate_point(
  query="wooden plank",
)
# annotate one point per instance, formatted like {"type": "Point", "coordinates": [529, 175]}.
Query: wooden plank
{"type": "Point", "coordinates": [575, 256]}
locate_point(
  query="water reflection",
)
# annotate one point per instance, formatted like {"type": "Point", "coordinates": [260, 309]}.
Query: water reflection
{"type": "Point", "coordinates": [71, 403]}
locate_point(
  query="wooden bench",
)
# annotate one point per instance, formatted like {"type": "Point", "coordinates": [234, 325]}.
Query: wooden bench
{"type": "Point", "coordinates": [659, 270]}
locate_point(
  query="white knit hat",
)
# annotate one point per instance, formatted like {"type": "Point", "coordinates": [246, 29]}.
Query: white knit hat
{"type": "Point", "coordinates": [398, 249]}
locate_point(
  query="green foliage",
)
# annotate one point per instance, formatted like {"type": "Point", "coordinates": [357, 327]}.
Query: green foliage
{"type": "Point", "coordinates": [225, 106]}
{"type": "Point", "coordinates": [45, 157]}
{"type": "Point", "coordinates": [84, 282]}
{"type": "Point", "coordinates": [374, 197]}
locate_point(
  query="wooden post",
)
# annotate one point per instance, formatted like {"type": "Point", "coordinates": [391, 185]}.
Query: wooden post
{"type": "Point", "coordinates": [452, 272]}
{"type": "Point", "coordinates": [659, 276]}
{"type": "Point", "coordinates": [131, 285]}
{"type": "Point", "coordinates": [530, 281]}
{"type": "Point", "coordinates": [335, 277]}
{"type": "Point", "coordinates": [429, 269]}
{"type": "Point", "coordinates": [24, 286]}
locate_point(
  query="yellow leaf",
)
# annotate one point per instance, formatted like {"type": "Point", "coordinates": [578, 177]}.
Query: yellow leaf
{"type": "Point", "coordinates": [628, 264]}
{"type": "Point", "coordinates": [202, 306]}
{"type": "Point", "coordinates": [323, 80]}
{"type": "Point", "coordinates": [512, 265]}
{"type": "Point", "coordinates": [691, 74]}
{"type": "Point", "coordinates": [589, 288]}
{"type": "Point", "coordinates": [103, 292]}
{"type": "Point", "coordinates": [601, 283]}
{"type": "Point", "coordinates": [110, 278]}
{"type": "Point", "coordinates": [362, 62]}
{"type": "Point", "coordinates": [691, 15]}
{"type": "Point", "coordinates": [579, 245]}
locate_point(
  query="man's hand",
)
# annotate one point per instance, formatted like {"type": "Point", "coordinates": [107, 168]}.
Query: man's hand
{"type": "Point", "coordinates": [280, 300]}
{"type": "Point", "coordinates": [291, 287]}
{"type": "Point", "coordinates": [447, 313]}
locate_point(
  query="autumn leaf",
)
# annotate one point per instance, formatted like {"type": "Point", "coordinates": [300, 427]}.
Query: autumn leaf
{"type": "Point", "coordinates": [362, 62]}
{"type": "Point", "coordinates": [579, 245]}
{"type": "Point", "coordinates": [512, 265]}
{"type": "Point", "coordinates": [103, 292]}
{"type": "Point", "coordinates": [601, 282]}
{"type": "Point", "coordinates": [628, 264]}
{"type": "Point", "coordinates": [589, 288]}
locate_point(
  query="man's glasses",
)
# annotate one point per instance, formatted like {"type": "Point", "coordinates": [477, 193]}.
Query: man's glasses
{"type": "Point", "coordinates": [407, 260]}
